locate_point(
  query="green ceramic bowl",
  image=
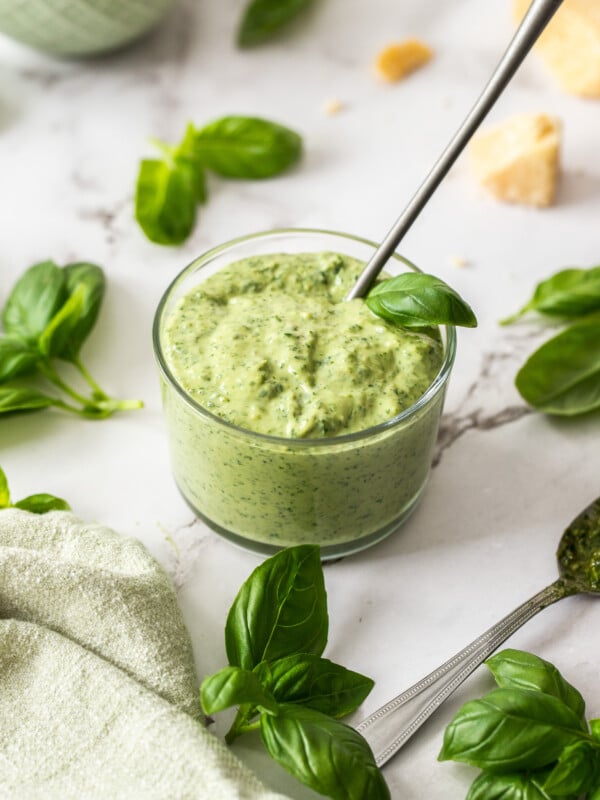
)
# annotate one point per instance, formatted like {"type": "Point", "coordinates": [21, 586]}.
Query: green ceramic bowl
{"type": "Point", "coordinates": [79, 27]}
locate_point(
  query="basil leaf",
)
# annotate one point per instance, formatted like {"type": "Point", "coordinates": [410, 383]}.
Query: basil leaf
{"type": "Point", "coordinates": [330, 757]}
{"type": "Point", "coordinates": [166, 199]}
{"type": "Point", "coordinates": [577, 770]}
{"type": "Point", "coordinates": [56, 336]}
{"type": "Point", "coordinates": [516, 669]}
{"type": "Point", "coordinates": [16, 358]}
{"type": "Point", "coordinates": [509, 787]}
{"type": "Point", "coordinates": [511, 729]}
{"type": "Point", "coordinates": [563, 375]}
{"type": "Point", "coordinates": [246, 147]}
{"type": "Point", "coordinates": [315, 683]}
{"type": "Point", "coordinates": [70, 326]}
{"type": "Point", "coordinates": [16, 398]}
{"type": "Point", "coordinates": [4, 491]}
{"type": "Point", "coordinates": [281, 609]}
{"type": "Point", "coordinates": [569, 293]}
{"type": "Point", "coordinates": [415, 300]}
{"type": "Point", "coordinates": [33, 301]}
{"type": "Point", "coordinates": [262, 18]}
{"type": "Point", "coordinates": [89, 281]}
{"type": "Point", "coordinates": [595, 728]}
{"type": "Point", "coordinates": [232, 686]}
{"type": "Point", "coordinates": [42, 503]}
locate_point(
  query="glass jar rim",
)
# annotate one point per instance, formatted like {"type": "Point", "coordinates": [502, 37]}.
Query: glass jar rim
{"type": "Point", "coordinates": [430, 393]}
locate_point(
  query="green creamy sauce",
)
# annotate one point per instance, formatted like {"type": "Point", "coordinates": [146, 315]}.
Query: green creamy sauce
{"type": "Point", "coordinates": [270, 345]}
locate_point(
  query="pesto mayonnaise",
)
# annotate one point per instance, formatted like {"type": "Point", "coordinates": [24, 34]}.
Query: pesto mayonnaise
{"type": "Point", "coordinates": [270, 345]}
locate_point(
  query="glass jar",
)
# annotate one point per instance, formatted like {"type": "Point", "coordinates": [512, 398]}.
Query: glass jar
{"type": "Point", "coordinates": [266, 492]}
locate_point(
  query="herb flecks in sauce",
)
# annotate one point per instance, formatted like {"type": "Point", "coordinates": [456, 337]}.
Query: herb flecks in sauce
{"type": "Point", "coordinates": [270, 345]}
{"type": "Point", "coordinates": [579, 551]}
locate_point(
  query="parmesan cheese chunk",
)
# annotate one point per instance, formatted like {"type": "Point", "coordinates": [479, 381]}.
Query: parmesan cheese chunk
{"type": "Point", "coordinates": [570, 45]}
{"type": "Point", "coordinates": [396, 61]}
{"type": "Point", "coordinates": [517, 160]}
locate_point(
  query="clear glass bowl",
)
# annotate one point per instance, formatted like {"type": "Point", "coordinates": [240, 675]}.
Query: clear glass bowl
{"type": "Point", "coordinates": [266, 492]}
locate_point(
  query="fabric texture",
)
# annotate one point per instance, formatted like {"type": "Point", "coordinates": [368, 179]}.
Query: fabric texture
{"type": "Point", "coordinates": [98, 694]}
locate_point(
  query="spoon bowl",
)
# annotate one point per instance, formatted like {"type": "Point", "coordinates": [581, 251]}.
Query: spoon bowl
{"type": "Point", "coordinates": [578, 555]}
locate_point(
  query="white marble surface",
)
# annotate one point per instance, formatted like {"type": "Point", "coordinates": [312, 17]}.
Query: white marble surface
{"type": "Point", "coordinates": [507, 481]}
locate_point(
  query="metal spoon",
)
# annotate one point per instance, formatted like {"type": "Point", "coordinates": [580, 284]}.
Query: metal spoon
{"type": "Point", "coordinates": [538, 16]}
{"type": "Point", "coordinates": [578, 554]}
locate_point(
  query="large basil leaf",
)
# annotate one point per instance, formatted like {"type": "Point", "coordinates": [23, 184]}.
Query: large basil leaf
{"type": "Point", "coordinates": [510, 730]}
{"type": "Point", "coordinates": [166, 199]}
{"type": "Point", "coordinates": [563, 375]}
{"type": "Point", "coordinates": [262, 18]}
{"type": "Point", "coordinates": [577, 770]}
{"type": "Point", "coordinates": [314, 682]}
{"type": "Point", "coordinates": [42, 503]}
{"type": "Point", "coordinates": [246, 147]}
{"type": "Point", "coordinates": [16, 358]}
{"type": "Point", "coordinates": [330, 757]}
{"type": "Point", "coordinates": [4, 490]}
{"type": "Point", "coordinates": [281, 609]}
{"type": "Point", "coordinates": [510, 787]}
{"type": "Point", "coordinates": [518, 669]}
{"type": "Point", "coordinates": [569, 293]}
{"type": "Point", "coordinates": [16, 398]}
{"type": "Point", "coordinates": [232, 686]}
{"type": "Point", "coordinates": [33, 301]}
{"type": "Point", "coordinates": [415, 299]}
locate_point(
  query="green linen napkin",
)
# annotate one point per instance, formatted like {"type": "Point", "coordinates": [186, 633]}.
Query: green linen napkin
{"type": "Point", "coordinates": [98, 694]}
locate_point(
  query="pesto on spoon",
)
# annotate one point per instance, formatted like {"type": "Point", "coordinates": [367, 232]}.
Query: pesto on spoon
{"type": "Point", "coordinates": [578, 555]}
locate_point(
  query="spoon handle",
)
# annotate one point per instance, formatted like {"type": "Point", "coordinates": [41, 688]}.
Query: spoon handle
{"type": "Point", "coordinates": [390, 727]}
{"type": "Point", "coordinates": [539, 14]}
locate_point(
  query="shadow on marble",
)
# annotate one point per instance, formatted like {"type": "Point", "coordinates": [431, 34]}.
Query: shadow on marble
{"type": "Point", "coordinates": [577, 187]}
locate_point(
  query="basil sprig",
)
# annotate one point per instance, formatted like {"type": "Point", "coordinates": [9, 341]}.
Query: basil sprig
{"type": "Point", "coordinates": [47, 317]}
{"type": "Point", "coordinates": [275, 635]}
{"type": "Point", "coordinates": [418, 300]}
{"type": "Point", "coordinates": [530, 736]}
{"type": "Point", "coordinates": [262, 18]}
{"type": "Point", "coordinates": [169, 189]}
{"type": "Point", "coordinates": [570, 294]}
{"type": "Point", "coordinates": [563, 375]}
{"type": "Point", "coordinates": [36, 503]}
